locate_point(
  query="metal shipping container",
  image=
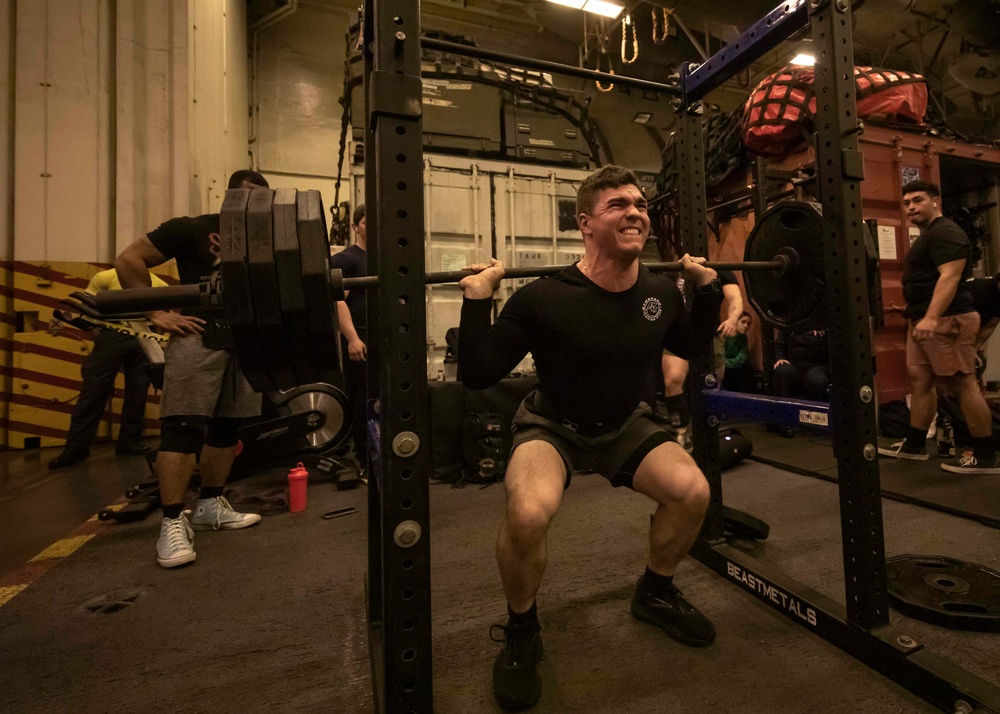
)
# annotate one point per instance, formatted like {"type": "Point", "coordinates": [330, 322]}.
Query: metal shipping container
{"type": "Point", "coordinates": [522, 214]}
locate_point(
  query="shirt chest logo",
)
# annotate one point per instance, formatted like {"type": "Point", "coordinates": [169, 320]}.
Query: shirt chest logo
{"type": "Point", "coordinates": [652, 309]}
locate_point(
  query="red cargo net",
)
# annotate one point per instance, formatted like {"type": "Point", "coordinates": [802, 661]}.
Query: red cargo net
{"type": "Point", "coordinates": [779, 113]}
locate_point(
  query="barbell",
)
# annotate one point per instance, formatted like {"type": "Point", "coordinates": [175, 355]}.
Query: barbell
{"type": "Point", "coordinates": [278, 294]}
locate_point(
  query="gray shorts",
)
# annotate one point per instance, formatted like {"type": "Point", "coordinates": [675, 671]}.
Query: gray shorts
{"type": "Point", "coordinates": [200, 381]}
{"type": "Point", "coordinates": [614, 455]}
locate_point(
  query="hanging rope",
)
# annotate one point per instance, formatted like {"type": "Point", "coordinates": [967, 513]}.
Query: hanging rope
{"type": "Point", "coordinates": [626, 24]}
{"type": "Point", "coordinates": [660, 37]}
{"type": "Point", "coordinates": [610, 70]}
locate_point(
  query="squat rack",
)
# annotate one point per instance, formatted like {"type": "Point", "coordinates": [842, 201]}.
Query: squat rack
{"type": "Point", "coordinates": [398, 585]}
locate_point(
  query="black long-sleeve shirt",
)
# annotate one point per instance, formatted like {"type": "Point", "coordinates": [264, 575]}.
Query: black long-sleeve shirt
{"type": "Point", "coordinates": [593, 349]}
{"type": "Point", "coordinates": [802, 348]}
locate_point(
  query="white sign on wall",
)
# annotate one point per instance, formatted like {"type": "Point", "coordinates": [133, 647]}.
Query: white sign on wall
{"type": "Point", "coordinates": [887, 243]}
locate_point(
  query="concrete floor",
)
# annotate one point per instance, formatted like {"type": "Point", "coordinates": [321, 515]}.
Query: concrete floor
{"type": "Point", "coordinates": [272, 618]}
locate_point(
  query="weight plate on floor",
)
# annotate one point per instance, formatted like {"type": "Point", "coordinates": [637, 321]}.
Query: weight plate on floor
{"type": "Point", "coordinates": [264, 288]}
{"type": "Point", "coordinates": [291, 294]}
{"type": "Point", "coordinates": [237, 296]}
{"type": "Point", "coordinates": [314, 246]}
{"type": "Point", "coordinates": [944, 591]}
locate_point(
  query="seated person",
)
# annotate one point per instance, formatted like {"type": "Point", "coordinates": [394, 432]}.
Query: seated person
{"type": "Point", "coordinates": [737, 352]}
{"type": "Point", "coordinates": [802, 365]}
{"type": "Point", "coordinates": [801, 368]}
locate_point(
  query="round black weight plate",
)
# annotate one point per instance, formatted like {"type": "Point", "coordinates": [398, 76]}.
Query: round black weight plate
{"type": "Point", "coordinates": [314, 246]}
{"type": "Point", "coordinates": [264, 288]}
{"type": "Point", "coordinates": [288, 264]}
{"type": "Point", "coordinates": [236, 288]}
{"type": "Point", "coordinates": [944, 591]}
{"type": "Point", "coordinates": [798, 301]}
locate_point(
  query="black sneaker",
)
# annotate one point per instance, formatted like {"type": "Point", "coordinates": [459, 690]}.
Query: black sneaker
{"type": "Point", "coordinates": [967, 464]}
{"type": "Point", "coordinates": [516, 684]}
{"type": "Point", "coordinates": [670, 611]}
{"type": "Point", "coordinates": [70, 455]}
{"type": "Point", "coordinates": [900, 450]}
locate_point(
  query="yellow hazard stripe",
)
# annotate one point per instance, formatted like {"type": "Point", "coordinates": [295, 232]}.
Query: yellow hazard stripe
{"type": "Point", "coordinates": [7, 593]}
{"type": "Point", "coordinates": [62, 548]}
{"type": "Point", "coordinates": [15, 582]}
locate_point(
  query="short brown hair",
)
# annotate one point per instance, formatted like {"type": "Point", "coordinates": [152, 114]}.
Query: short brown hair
{"type": "Point", "coordinates": [610, 176]}
{"type": "Point", "coordinates": [359, 215]}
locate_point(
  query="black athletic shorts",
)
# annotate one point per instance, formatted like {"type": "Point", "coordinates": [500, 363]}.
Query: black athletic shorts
{"type": "Point", "coordinates": [615, 455]}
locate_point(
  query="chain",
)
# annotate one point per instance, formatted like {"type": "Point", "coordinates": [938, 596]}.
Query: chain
{"type": "Point", "coordinates": [660, 38]}
{"type": "Point", "coordinates": [611, 70]}
{"type": "Point", "coordinates": [627, 23]}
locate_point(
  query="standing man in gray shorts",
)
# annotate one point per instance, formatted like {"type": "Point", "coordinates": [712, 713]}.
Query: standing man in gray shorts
{"type": "Point", "coordinates": [594, 331]}
{"type": "Point", "coordinates": [204, 391]}
{"type": "Point", "coordinates": [941, 340]}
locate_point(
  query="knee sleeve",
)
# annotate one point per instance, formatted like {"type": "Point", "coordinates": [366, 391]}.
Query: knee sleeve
{"type": "Point", "coordinates": [222, 433]}
{"type": "Point", "coordinates": [183, 434]}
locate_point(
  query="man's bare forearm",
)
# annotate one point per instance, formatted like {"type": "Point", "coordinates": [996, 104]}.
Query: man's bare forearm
{"type": "Point", "coordinates": [734, 301]}
{"type": "Point", "coordinates": [346, 323]}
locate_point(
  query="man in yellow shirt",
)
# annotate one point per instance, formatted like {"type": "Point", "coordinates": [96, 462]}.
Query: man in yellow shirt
{"type": "Point", "coordinates": [112, 351]}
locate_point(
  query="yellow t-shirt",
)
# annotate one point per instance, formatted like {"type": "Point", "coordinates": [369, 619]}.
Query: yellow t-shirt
{"type": "Point", "coordinates": [108, 280]}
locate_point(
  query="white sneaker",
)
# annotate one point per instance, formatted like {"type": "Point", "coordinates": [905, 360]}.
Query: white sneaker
{"type": "Point", "coordinates": [216, 513]}
{"type": "Point", "coordinates": [176, 544]}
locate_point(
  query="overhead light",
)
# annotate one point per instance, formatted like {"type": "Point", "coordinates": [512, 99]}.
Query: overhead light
{"type": "Point", "coordinates": [642, 118]}
{"type": "Point", "coordinates": [598, 7]}
{"type": "Point", "coordinates": [602, 7]}
{"type": "Point", "coordinates": [804, 59]}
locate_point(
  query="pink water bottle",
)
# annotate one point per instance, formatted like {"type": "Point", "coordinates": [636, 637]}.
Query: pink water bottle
{"type": "Point", "coordinates": [297, 479]}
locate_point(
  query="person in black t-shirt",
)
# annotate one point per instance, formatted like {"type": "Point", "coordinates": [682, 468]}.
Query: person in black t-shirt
{"type": "Point", "coordinates": [204, 391]}
{"type": "Point", "coordinates": [594, 331]}
{"type": "Point", "coordinates": [941, 340]}
{"type": "Point", "coordinates": [352, 316]}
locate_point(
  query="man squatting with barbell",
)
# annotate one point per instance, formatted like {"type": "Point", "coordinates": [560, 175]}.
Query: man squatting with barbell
{"type": "Point", "coordinates": [594, 331]}
{"type": "Point", "coordinates": [204, 391]}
